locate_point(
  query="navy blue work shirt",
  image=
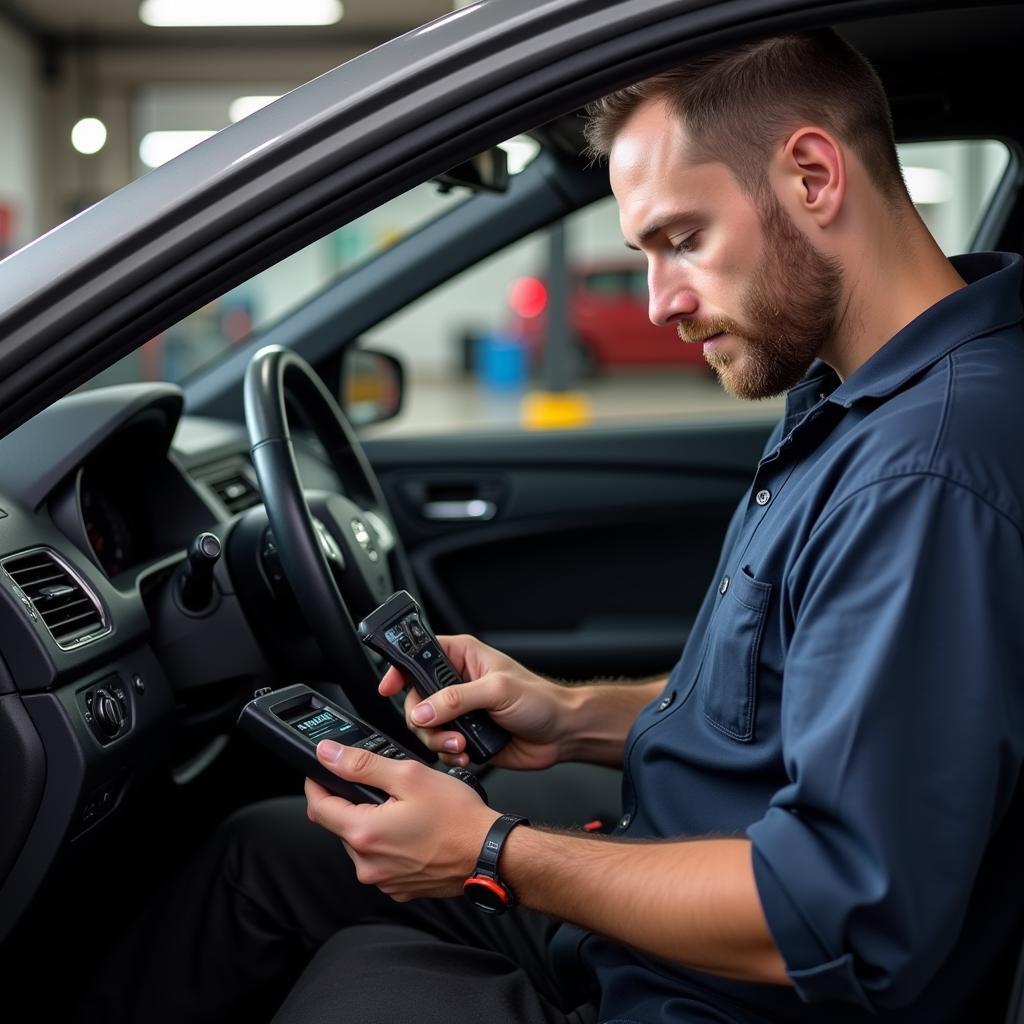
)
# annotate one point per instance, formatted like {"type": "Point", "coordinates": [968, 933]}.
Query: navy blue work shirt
{"type": "Point", "coordinates": [852, 694]}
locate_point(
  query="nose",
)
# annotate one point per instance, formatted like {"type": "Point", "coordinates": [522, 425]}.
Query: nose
{"type": "Point", "coordinates": [669, 298]}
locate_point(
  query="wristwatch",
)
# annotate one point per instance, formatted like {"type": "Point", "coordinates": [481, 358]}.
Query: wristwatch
{"type": "Point", "coordinates": [484, 888]}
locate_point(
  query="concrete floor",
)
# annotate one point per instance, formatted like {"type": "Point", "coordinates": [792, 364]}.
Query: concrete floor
{"type": "Point", "coordinates": [454, 405]}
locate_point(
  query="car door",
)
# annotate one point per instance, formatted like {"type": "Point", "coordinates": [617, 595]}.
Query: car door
{"type": "Point", "coordinates": [583, 554]}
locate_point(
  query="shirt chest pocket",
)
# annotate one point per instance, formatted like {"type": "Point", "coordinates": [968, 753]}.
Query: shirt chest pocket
{"type": "Point", "coordinates": [728, 674]}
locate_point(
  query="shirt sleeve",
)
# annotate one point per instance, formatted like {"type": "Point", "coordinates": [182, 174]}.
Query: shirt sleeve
{"type": "Point", "coordinates": [901, 734]}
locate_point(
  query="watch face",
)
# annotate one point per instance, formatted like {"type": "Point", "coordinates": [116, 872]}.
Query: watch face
{"type": "Point", "coordinates": [487, 895]}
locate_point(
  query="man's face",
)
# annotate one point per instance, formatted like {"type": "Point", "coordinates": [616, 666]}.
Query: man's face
{"type": "Point", "coordinates": [735, 275]}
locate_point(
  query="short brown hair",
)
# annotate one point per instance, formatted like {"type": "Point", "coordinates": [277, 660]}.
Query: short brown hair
{"type": "Point", "coordinates": [739, 104]}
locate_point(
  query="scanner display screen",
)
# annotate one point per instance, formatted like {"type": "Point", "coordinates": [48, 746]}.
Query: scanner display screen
{"type": "Point", "coordinates": [324, 724]}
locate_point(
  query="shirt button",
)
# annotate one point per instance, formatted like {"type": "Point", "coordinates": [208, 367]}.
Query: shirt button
{"type": "Point", "coordinates": [763, 497]}
{"type": "Point", "coordinates": [625, 820]}
{"type": "Point", "coordinates": [666, 702]}
{"type": "Point", "coordinates": [724, 585]}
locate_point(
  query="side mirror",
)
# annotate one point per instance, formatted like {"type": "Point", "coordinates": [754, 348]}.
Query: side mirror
{"type": "Point", "coordinates": [371, 386]}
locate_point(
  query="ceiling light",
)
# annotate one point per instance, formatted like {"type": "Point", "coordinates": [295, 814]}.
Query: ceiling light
{"type": "Point", "coordinates": [928, 185]}
{"type": "Point", "coordinates": [89, 135]}
{"type": "Point", "coordinates": [246, 105]}
{"type": "Point", "coordinates": [209, 13]}
{"type": "Point", "coordinates": [157, 148]}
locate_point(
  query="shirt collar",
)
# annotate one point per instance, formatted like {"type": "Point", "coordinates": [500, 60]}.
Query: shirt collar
{"type": "Point", "coordinates": [990, 302]}
{"type": "Point", "coordinates": [819, 381]}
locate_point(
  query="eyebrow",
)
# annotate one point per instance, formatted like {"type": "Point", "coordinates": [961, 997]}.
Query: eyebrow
{"type": "Point", "coordinates": [660, 223]}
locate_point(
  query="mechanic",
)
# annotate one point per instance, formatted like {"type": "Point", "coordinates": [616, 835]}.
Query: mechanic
{"type": "Point", "coordinates": [819, 800]}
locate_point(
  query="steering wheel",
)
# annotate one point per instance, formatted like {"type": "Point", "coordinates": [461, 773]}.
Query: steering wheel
{"type": "Point", "coordinates": [326, 539]}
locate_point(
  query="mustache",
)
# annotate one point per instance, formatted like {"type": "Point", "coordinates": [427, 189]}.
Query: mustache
{"type": "Point", "coordinates": [693, 332]}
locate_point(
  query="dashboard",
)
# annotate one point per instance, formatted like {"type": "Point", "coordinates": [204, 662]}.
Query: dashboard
{"type": "Point", "coordinates": [105, 679]}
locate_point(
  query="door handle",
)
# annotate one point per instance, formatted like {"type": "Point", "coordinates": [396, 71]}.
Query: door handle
{"type": "Point", "coordinates": [459, 511]}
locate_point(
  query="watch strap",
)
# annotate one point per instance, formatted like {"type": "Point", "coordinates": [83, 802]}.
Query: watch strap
{"type": "Point", "coordinates": [490, 851]}
{"type": "Point", "coordinates": [484, 887]}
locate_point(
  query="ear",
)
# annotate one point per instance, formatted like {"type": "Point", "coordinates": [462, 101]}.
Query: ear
{"type": "Point", "coordinates": [812, 172]}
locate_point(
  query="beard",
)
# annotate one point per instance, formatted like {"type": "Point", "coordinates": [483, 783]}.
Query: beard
{"type": "Point", "coordinates": [789, 312]}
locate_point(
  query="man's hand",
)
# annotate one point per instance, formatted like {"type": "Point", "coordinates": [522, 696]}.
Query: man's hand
{"type": "Point", "coordinates": [423, 841]}
{"type": "Point", "coordinates": [537, 712]}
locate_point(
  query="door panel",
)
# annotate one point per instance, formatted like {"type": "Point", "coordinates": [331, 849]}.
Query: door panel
{"type": "Point", "coordinates": [585, 553]}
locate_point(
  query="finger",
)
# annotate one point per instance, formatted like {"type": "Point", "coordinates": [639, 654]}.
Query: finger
{"type": "Point", "coordinates": [452, 743]}
{"type": "Point", "coordinates": [488, 693]}
{"type": "Point", "coordinates": [326, 809]}
{"type": "Point", "coordinates": [316, 792]}
{"type": "Point", "coordinates": [457, 649]}
{"type": "Point", "coordinates": [412, 698]}
{"type": "Point", "coordinates": [438, 740]}
{"type": "Point", "coordinates": [392, 683]}
{"type": "Point", "coordinates": [398, 895]}
{"type": "Point", "coordinates": [355, 764]}
{"type": "Point", "coordinates": [435, 739]}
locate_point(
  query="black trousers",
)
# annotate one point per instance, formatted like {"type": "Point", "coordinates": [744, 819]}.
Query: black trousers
{"type": "Point", "coordinates": [273, 898]}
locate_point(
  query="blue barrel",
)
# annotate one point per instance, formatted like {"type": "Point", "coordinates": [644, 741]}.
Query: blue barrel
{"type": "Point", "coordinates": [501, 362]}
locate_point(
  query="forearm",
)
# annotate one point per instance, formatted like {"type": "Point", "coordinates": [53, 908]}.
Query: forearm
{"type": "Point", "coordinates": [598, 716]}
{"type": "Point", "coordinates": [693, 903]}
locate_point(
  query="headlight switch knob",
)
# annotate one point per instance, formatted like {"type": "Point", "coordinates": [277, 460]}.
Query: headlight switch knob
{"type": "Point", "coordinates": [108, 712]}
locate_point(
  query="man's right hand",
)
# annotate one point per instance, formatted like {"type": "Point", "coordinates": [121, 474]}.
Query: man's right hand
{"type": "Point", "coordinates": [534, 710]}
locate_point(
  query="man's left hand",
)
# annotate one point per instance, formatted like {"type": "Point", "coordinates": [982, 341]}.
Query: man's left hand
{"type": "Point", "coordinates": [423, 841]}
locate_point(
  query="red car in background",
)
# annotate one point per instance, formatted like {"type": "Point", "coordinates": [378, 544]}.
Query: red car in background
{"type": "Point", "coordinates": [607, 317]}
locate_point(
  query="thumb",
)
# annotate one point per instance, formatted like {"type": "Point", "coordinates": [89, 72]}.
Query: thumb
{"type": "Point", "coordinates": [452, 701]}
{"type": "Point", "coordinates": [355, 764]}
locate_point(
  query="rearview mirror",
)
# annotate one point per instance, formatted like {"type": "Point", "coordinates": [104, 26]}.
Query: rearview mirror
{"type": "Point", "coordinates": [371, 386]}
{"type": "Point", "coordinates": [486, 172]}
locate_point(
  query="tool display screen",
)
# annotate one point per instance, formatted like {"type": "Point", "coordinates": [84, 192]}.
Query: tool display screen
{"type": "Point", "coordinates": [324, 724]}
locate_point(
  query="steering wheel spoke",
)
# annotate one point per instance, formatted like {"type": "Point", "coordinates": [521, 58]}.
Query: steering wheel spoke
{"type": "Point", "coordinates": [386, 538]}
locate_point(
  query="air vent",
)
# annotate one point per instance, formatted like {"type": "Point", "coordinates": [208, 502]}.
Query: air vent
{"type": "Point", "coordinates": [236, 491]}
{"type": "Point", "coordinates": [68, 609]}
